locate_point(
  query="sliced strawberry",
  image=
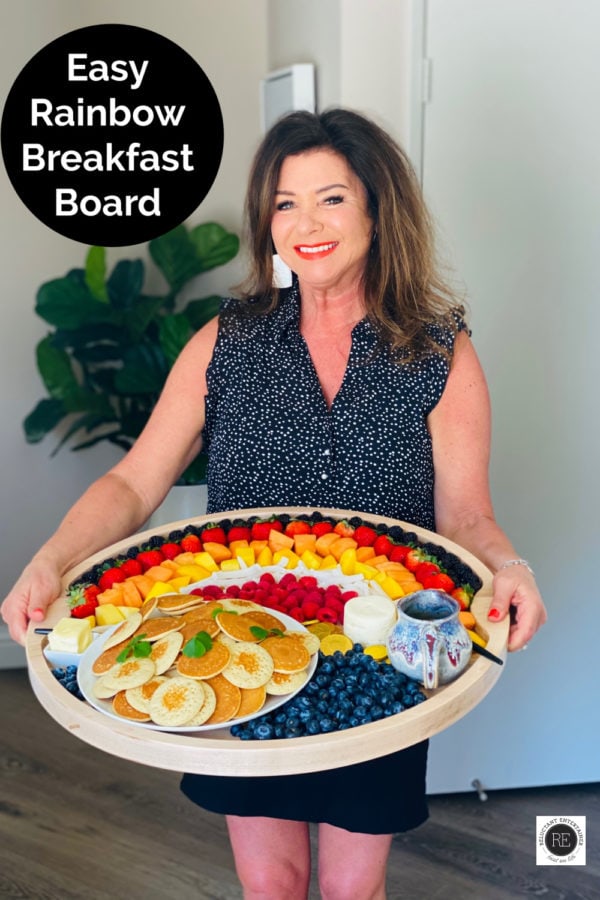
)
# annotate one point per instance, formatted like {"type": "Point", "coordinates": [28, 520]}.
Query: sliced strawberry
{"type": "Point", "coordinates": [149, 558]}
{"type": "Point", "coordinates": [382, 545]}
{"type": "Point", "coordinates": [464, 595]}
{"type": "Point", "coordinates": [238, 533]}
{"type": "Point", "coordinates": [110, 577]}
{"type": "Point", "coordinates": [191, 543]}
{"type": "Point", "coordinates": [131, 567]}
{"type": "Point", "coordinates": [365, 536]}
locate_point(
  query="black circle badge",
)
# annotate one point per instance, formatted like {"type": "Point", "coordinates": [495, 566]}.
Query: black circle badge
{"type": "Point", "coordinates": [112, 135]}
{"type": "Point", "coordinates": [561, 840]}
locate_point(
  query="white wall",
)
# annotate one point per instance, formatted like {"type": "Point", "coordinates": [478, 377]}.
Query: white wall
{"type": "Point", "coordinates": [228, 38]}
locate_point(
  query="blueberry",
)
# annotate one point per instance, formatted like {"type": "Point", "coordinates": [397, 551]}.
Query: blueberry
{"type": "Point", "coordinates": [264, 731]}
{"type": "Point", "coordinates": [326, 724]}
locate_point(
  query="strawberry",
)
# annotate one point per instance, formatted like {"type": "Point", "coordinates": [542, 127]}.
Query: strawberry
{"type": "Point", "coordinates": [238, 533]}
{"type": "Point", "coordinates": [413, 559]}
{"type": "Point", "coordinates": [440, 582]}
{"type": "Point", "coordinates": [170, 550]}
{"type": "Point", "coordinates": [83, 610]}
{"type": "Point", "coordinates": [297, 526]}
{"type": "Point", "coordinates": [398, 553]}
{"type": "Point", "coordinates": [110, 577]}
{"type": "Point", "coordinates": [320, 528]}
{"type": "Point", "coordinates": [149, 558]}
{"type": "Point", "coordinates": [424, 570]}
{"type": "Point", "coordinates": [84, 594]}
{"type": "Point", "coordinates": [365, 536]}
{"type": "Point", "coordinates": [464, 595]}
{"type": "Point", "coordinates": [344, 529]}
{"type": "Point", "coordinates": [212, 533]}
{"type": "Point", "coordinates": [131, 567]}
{"type": "Point", "coordinates": [191, 543]}
{"type": "Point", "coordinates": [260, 530]}
{"type": "Point", "coordinates": [382, 545]}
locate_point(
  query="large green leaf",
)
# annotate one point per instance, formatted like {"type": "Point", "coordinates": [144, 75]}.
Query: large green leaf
{"type": "Point", "coordinates": [199, 312]}
{"type": "Point", "coordinates": [95, 273]}
{"type": "Point", "coordinates": [125, 283]}
{"type": "Point", "coordinates": [88, 422]}
{"type": "Point", "coordinates": [144, 310]}
{"type": "Point", "coordinates": [144, 370]}
{"type": "Point", "coordinates": [174, 333]}
{"type": "Point", "coordinates": [214, 245]}
{"type": "Point", "coordinates": [55, 367]}
{"type": "Point", "coordinates": [87, 335]}
{"type": "Point", "coordinates": [66, 303]}
{"type": "Point", "coordinates": [46, 416]}
{"type": "Point", "coordinates": [175, 255]}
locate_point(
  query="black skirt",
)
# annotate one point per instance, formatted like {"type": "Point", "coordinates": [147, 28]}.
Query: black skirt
{"type": "Point", "coordinates": [380, 796]}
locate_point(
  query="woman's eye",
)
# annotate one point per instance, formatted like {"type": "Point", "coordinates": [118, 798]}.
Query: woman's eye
{"type": "Point", "coordinates": [283, 204]}
{"type": "Point", "coordinates": [337, 198]}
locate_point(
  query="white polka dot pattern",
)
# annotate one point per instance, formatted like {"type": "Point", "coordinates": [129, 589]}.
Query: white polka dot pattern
{"type": "Point", "coordinates": [272, 441]}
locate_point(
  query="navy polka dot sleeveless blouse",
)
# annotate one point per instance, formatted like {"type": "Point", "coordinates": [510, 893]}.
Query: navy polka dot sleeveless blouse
{"type": "Point", "coordinates": [273, 441]}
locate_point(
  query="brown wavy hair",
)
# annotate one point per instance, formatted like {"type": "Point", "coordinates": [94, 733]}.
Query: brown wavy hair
{"type": "Point", "coordinates": [404, 291]}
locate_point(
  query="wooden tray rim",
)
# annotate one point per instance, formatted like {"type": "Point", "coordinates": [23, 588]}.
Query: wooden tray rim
{"type": "Point", "coordinates": [217, 752]}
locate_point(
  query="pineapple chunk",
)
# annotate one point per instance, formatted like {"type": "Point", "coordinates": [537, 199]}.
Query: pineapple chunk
{"type": "Point", "coordinates": [108, 614]}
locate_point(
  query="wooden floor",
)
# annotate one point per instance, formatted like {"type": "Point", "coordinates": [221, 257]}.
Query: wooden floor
{"type": "Point", "coordinates": [77, 823]}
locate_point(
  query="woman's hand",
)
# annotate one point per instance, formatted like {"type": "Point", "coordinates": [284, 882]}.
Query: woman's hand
{"type": "Point", "coordinates": [37, 588]}
{"type": "Point", "coordinates": [516, 594]}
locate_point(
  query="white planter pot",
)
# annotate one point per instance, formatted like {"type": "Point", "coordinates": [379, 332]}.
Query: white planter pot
{"type": "Point", "coordinates": [182, 502]}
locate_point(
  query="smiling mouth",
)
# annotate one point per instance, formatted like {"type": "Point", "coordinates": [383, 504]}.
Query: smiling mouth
{"type": "Point", "coordinates": [315, 251]}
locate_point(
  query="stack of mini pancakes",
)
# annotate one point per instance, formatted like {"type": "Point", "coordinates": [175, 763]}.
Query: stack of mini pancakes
{"type": "Point", "coordinates": [250, 656]}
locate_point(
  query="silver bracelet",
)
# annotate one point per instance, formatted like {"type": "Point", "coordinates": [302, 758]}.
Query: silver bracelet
{"type": "Point", "coordinates": [516, 562]}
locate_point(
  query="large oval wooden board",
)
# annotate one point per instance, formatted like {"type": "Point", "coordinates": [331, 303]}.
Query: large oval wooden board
{"type": "Point", "coordinates": [217, 752]}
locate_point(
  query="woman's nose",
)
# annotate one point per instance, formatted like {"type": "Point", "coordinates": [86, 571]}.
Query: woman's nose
{"type": "Point", "coordinates": [308, 221]}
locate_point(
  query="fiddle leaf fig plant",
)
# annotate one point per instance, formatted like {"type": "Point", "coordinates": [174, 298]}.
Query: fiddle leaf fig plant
{"type": "Point", "coordinates": [112, 346]}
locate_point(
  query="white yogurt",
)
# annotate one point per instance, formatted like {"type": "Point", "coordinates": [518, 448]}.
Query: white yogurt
{"type": "Point", "coordinates": [369, 619]}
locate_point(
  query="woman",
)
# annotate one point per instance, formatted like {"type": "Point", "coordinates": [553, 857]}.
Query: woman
{"type": "Point", "coordinates": [359, 388]}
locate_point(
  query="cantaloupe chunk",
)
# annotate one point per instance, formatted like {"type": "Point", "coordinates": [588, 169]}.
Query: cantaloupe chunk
{"type": "Point", "coordinates": [343, 543]}
{"type": "Point", "coordinates": [131, 595]}
{"type": "Point", "coordinates": [142, 583]}
{"type": "Point", "coordinates": [112, 595]}
{"type": "Point", "coordinates": [219, 552]}
{"type": "Point", "coordinates": [304, 542]}
{"type": "Point", "coordinates": [280, 541]}
{"type": "Point", "coordinates": [325, 541]}
{"type": "Point", "coordinates": [257, 546]}
{"type": "Point", "coordinates": [364, 553]}
{"type": "Point", "coordinates": [235, 546]}
{"type": "Point", "coordinates": [159, 573]}
{"type": "Point", "coordinates": [184, 559]}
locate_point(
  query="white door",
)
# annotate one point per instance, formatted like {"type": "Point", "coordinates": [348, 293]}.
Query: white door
{"type": "Point", "coordinates": [511, 170]}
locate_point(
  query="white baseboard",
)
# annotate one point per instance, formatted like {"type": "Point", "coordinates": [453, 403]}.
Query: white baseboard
{"type": "Point", "coordinates": [12, 655]}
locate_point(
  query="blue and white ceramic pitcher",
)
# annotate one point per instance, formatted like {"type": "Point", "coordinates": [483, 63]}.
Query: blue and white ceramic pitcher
{"type": "Point", "coordinates": [429, 642]}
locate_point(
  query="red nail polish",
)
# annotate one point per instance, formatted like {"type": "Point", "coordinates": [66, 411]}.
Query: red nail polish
{"type": "Point", "coordinates": [494, 614]}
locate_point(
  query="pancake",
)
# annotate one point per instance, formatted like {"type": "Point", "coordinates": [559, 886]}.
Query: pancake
{"type": "Point", "coordinates": [250, 665]}
{"type": "Point", "coordinates": [206, 666]}
{"type": "Point", "coordinates": [122, 707]}
{"type": "Point", "coordinates": [285, 682]}
{"type": "Point", "coordinates": [139, 697]}
{"type": "Point", "coordinates": [207, 708]}
{"type": "Point", "coordinates": [191, 629]}
{"type": "Point", "coordinates": [172, 603]}
{"type": "Point", "coordinates": [176, 701]}
{"type": "Point", "coordinates": [165, 650]}
{"type": "Point", "coordinates": [310, 641]}
{"type": "Point", "coordinates": [107, 659]}
{"type": "Point", "coordinates": [288, 653]}
{"type": "Point", "coordinates": [130, 674]}
{"type": "Point", "coordinates": [253, 699]}
{"type": "Point", "coordinates": [148, 607]}
{"type": "Point", "coordinates": [156, 628]}
{"type": "Point", "coordinates": [228, 699]}
{"type": "Point", "coordinates": [123, 631]}
{"type": "Point", "coordinates": [237, 627]}
{"type": "Point", "coordinates": [264, 619]}
{"type": "Point", "coordinates": [236, 604]}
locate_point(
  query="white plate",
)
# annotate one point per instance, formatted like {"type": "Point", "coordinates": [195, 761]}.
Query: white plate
{"type": "Point", "coordinates": [86, 680]}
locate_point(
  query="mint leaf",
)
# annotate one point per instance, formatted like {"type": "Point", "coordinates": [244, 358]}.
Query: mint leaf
{"type": "Point", "coordinates": [259, 633]}
{"type": "Point", "coordinates": [198, 645]}
{"type": "Point", "coordinates": [136, 647]}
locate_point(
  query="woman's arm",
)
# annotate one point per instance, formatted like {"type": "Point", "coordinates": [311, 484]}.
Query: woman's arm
{"type": "Point", "coordinates": [118, 503]}
{"type": "Point", "coordinates": [460, 431]}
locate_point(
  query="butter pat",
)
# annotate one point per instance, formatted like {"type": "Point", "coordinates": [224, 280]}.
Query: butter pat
{"type": "Point", "coordinates": [70, 636]}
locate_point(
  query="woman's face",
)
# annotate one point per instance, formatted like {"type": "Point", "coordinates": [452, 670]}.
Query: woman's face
{"type": "Point", "coordinates": [320, 225]}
